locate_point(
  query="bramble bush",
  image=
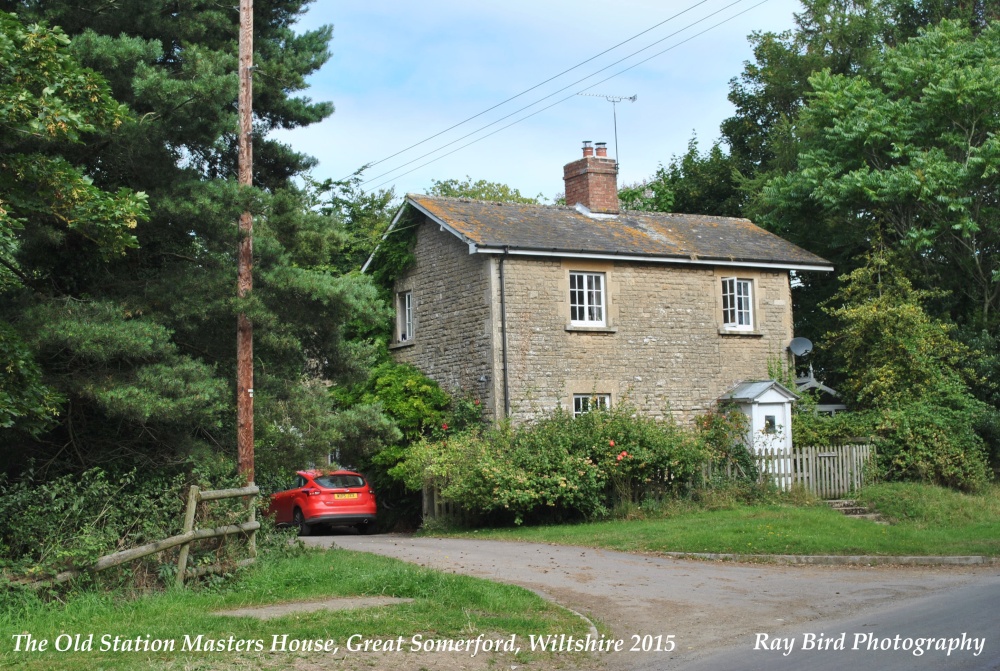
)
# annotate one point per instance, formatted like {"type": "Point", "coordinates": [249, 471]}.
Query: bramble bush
{"type": "Point", "coordinates": [561, 467]}
{"type": "Point", "coordinates": [67, 522]}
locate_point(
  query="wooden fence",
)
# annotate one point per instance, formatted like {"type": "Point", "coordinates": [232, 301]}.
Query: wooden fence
{"type": "Point", "coordinates": [195, 495]}
{"type": "Point", "coordinates": [828, 471]}
{"type": "Point", "coordinates": [189, 535]}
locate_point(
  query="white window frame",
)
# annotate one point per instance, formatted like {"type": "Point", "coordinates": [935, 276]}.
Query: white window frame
{"type": "Point", "coordinates": [404, 316]}
{"type": "Point", "coordinates": [588, 298]}
{"type": "Point", "coordinates": [737, 304]}
{"type": "Point", "coordinates": [584, 403]}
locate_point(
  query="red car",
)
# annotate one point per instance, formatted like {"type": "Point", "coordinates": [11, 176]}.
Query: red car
{"type": "Point", "coordinates": [334, 498]}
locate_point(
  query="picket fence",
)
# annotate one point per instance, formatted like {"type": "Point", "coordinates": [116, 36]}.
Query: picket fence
{"type": "Point", "coordinates": [828, 471]}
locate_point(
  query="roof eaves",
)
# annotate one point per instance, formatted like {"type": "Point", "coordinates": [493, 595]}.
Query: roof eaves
{"type": "Point", "coordinates": [498, 248]}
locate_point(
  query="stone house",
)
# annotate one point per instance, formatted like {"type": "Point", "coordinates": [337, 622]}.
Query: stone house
{"type": "Point", "coordinates": [531, 307]}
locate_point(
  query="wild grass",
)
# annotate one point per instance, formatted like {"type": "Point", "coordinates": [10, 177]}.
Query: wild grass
{"type": "Point", "coordinates": [926, 521]}
{"type": "Point", "coordinates": [443, 605]}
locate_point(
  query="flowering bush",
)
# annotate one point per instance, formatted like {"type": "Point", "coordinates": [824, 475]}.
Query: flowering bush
{"type": "Point", "coordinates": [560, 467]}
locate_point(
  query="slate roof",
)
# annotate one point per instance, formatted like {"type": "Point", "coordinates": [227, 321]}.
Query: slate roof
{"type": "Point", "coordinates": [751, 391]}
{"type": "Point", "coordinates": [560, 230]}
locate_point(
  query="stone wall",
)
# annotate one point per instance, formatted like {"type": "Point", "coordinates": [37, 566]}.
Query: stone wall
{"type": "Point", "coordinates": [452, 334]}
{"type": "Point", "coordinates": [663, 349]}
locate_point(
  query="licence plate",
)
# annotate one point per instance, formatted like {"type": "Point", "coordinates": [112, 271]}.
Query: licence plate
{"type": "Point", "coordinates": [340, 497]}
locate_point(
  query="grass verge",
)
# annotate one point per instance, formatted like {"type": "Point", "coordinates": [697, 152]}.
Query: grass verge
{"type": "Point", "coordinates": [444, 606]}
{"type": "Point", "coordinates": [926, 521]}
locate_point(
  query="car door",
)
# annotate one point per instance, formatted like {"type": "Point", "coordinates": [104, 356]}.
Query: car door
{"type": "Point", "coordinates": [282, 503]}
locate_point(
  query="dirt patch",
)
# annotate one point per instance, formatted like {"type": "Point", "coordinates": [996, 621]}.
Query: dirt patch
{"type": "Point", "coordinates": [282, 609]}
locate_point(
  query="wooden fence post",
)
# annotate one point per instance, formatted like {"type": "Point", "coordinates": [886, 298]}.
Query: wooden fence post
{"type": "Point", "coordinates": [252, 541]}
{"type": "Point", "coordinates": [182, 560]}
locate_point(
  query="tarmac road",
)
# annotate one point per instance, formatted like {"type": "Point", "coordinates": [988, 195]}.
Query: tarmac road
{"type": "Point", "coordinates": [716, 611]}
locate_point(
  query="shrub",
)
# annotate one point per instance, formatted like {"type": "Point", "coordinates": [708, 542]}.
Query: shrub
{"type": "Point", "coordinates": [810, 429]}
{"type": "Point", "coordinates": [560, 467]}
{"type": "Point", "coordinates": [68, 522]}
{"type": "Point", "coordinates": [930, 442]}
{"type": "Point", "coordinates": [725, 433]}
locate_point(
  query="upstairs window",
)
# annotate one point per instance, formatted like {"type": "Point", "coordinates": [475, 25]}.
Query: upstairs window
{"type": "Point", "coordinates": [584, 403]}
{"type": "Point", "coordinates": [586, 299]}
{"type": "Point", "coordinates": [404, 316]}
{"type": "Point", "coordinates": [737, 304]}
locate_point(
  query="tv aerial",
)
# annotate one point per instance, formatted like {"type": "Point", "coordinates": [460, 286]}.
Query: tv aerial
{"type": "Point", "coordinates": [614, 100]}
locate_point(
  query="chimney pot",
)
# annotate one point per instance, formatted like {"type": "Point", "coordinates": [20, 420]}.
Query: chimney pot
{"type": "Point", "coordinates": [592, 180]}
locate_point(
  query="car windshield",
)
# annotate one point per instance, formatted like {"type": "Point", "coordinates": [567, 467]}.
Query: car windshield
{"type": "Point", "coordinates": [339, 481]}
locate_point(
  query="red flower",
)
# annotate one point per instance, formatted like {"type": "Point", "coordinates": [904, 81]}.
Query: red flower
{"type": "Point", "coordinates": [476, 402]}
{"type": "Point", "coordinates": [444, 427]}
{"type": "Point", "coordinates": [611, 443]}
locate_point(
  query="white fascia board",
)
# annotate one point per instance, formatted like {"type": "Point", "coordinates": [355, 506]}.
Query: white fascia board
{"type": "Point", "coordinates": [649, 259]}
{"type": "Point", "coordinates": [392, 225]}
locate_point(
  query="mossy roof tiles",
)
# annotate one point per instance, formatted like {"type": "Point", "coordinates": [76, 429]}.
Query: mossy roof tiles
{"type": "Point", "coordinates": [565, 230]}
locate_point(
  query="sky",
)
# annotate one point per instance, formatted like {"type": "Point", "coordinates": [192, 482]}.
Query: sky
{"type": "Point", "coordinates": [402, 72]}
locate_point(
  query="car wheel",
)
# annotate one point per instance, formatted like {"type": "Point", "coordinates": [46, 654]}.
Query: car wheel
{"type": "Point", "coordinates": [299, 520]}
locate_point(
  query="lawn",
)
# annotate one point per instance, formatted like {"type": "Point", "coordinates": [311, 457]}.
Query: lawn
{"type": "Point", "coordinates": [925, 521]}
{"type": "Point", "coordinates": [444, 606]}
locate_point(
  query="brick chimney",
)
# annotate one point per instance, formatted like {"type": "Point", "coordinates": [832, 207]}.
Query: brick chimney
{"type": "Point", "coordinates": [592, 180]}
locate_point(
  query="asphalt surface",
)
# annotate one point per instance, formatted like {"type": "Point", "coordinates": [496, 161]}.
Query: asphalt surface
{"type": "Point", "coordinates": [717, 612]}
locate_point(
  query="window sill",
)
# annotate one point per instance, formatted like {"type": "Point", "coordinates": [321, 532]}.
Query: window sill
{"type": "Point", "coordinates": [591, 329]}
{"type": "Point", "coordinates": [401, 345]}
{"type": "Point", "coordinates": [737, 332]}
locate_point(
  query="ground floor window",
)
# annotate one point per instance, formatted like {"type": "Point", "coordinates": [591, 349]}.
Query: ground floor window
{"type": "Point", "coordinates": [583, 403]}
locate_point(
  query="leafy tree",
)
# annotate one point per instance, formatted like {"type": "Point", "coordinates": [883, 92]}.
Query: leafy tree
{"type": "Point", "coordinates": [840, 35]}
{"type": "Point", "coordinates": [652, 195]}
{"type": "Point", "coordinates": [906, 375]}
{"type": "Point", "coordinates": [907, 155]}
{"type": "Point", "coordinates": [480, 190]}
{"type": "Point", "coordinates": [846, 37]}
{"type": "Point", "coordinates": [363, 216]}
{"type": "Point", "coordinates": [694, 183]}
{"type": "Point", "coordinates": [48, 101]}
{"type": "Point", "coordinates": [142, 345]}
{"type": "Point", "coordinates": [25, 402]}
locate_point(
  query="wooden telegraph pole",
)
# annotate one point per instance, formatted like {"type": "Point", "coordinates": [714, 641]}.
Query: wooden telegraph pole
{"type": "Point", "coordinates": [244, 279]}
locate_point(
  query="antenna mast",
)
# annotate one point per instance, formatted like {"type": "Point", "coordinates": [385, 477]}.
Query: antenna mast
{"type": "Point", "coordinates": [614, 100]}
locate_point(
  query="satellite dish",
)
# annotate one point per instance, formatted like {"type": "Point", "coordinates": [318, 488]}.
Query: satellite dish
{"type": "Point", "coordinates": [800, 346]}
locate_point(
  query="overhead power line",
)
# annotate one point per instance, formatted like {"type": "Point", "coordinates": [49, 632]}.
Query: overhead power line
{"type": "Point", "coordinates": [562, 100]}
{"type": "Point", "coordinates": [528, 90]}
{"type": "Point", "coordinates": [568, 86]}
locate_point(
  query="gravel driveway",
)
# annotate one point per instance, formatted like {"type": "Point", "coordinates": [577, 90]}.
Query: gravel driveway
{"type": "Point", "coordinates": [706, 605]}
